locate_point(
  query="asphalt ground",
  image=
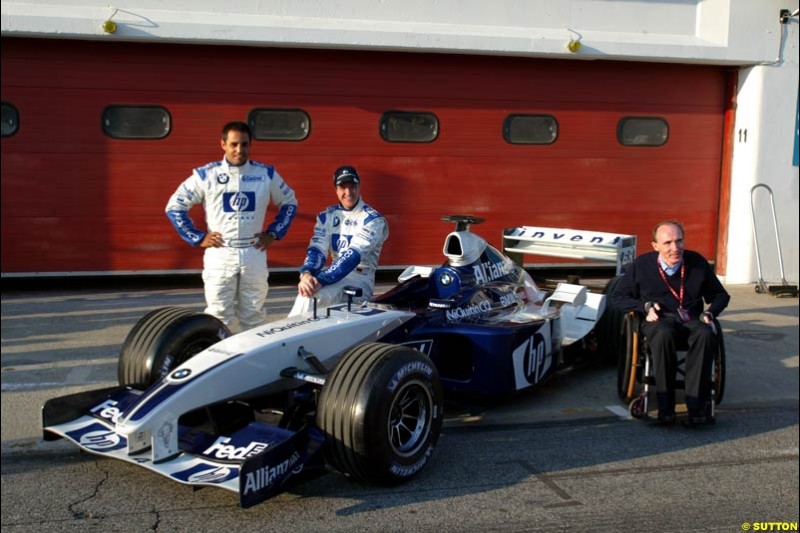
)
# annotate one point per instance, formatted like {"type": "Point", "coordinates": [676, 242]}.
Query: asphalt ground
{"type": "Point", "coordinates": [564, 457]}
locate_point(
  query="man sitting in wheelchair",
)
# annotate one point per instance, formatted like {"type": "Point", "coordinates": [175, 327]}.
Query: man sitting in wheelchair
{"type": "Point", "coordinates": [669, 287]}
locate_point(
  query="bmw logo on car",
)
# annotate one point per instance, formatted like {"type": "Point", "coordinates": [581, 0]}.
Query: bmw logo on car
{"type": "Point", "coordinates": [183, 373]}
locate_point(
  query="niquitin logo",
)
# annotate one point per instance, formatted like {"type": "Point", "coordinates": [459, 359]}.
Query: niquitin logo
{"type": "Point", "coordinates": [238, 202]}
{"type": "Point", "coordinates": [465, 312]}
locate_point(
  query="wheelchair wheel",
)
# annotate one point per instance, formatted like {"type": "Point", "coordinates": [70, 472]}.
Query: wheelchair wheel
{"type": "Point", "coordinates": [628, 363]}
{"type": "Point", "coordinates": [636, 407]}
{"type": "Point", "coordinates": [719, 366]}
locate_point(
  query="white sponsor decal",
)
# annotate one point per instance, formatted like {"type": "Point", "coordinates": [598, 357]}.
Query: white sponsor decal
{"type": "Point", "coordinates": [509, 299]}
{"type": "Point", "coordinates": [108, 411]}
{"type": "Point", "coordinates": [165, 432]}
{"type": "Point", "coordinates": [265, 476]}
{"type": "Point", "coordinates": [532, 359]}
{"type": "Point", "coordinates": [222, 450]}
{"type": "Point", "coordinates": [489, 271]}
{"type": "Point", "coordinates": [406, 471]}
{"type": "Point", "coordinates": [466, 312]}
{"type": "Point", "coordinates": [278, 329]}
{"type": "Point", "coordinates": [403, 371]}
{"type": "Point", "coordinates": [211, 475]}
{"type": "Point", "coordinates": [425, 346]}
{"type": "Point", "coordinates": [100, 440]}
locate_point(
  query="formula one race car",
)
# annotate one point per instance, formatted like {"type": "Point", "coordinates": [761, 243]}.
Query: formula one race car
{"type": "Point", "coordinates": [358, 389]}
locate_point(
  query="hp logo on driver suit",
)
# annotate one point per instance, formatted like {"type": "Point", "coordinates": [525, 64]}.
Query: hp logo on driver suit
{"type": "Point", "coordinates": [238, 202]}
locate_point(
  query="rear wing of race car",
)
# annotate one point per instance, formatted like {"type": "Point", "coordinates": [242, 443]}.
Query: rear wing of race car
{"type": "Point", "coordinates": [570, 243]}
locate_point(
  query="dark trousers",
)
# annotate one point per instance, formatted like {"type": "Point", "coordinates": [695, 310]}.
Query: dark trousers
{"type": "Point", "coordinates": [664, 338]}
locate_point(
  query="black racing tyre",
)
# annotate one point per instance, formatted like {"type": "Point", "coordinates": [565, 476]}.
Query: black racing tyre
{"type": "Point", "coordinates": [719, 366]}
{"type": "Point", "coordinates": [381, 411]}
{"type": "Point", "coordinates": [608, 330]}
{"type": "Point", "coordinates": [162, 340]}
{"type": "Point", "coordinates": [628, 364]}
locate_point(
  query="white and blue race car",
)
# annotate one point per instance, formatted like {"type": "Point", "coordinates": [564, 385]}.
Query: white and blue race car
{"type": "Point", "coordinates": [357, 389]}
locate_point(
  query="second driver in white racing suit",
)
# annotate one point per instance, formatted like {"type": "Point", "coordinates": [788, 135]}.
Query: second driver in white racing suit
{"type": "Point", "coordinates": [352, 233]}
{"type": "Point", "coordinates": [235, 193]}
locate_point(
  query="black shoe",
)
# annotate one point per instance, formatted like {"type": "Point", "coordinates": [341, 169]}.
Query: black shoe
{"type": "Point", "coordinates": [696, 420]}
{"type": "Point", "coordinates": [666, 420]}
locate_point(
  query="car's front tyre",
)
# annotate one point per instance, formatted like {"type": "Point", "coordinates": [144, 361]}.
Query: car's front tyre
{"type": "Point", "coordinates": [381, 410]}
{"type": "Point", "coordinates": [164, 339]}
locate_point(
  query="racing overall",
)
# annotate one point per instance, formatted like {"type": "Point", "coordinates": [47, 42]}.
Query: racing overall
{"type": "Point", "coordinates": [235, 199]}
{"type": "Point", "coordinates": [353, 239]}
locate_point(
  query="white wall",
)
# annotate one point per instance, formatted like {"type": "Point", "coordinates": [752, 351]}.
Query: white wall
{"type": "Point", "coordinates": [767, 114]}
{"type": "Point", "coordinates": [717, 31]}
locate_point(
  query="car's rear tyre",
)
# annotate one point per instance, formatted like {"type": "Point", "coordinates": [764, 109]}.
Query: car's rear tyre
{"type": "Point", "coordinates": [381, 411]}
{"type": "Point", "coordinates": [164, 339]}
{"type": "Point", "coordinates": [608, 330]}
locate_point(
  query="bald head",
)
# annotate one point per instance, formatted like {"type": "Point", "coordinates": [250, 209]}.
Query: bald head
{"type": "Point", "coordinates": [668, 241]}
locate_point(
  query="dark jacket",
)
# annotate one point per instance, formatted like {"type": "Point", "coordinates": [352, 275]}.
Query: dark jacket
{"type": "Point", "coordinates": [642, 283]}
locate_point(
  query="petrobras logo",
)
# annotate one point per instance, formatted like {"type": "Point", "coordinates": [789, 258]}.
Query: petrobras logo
{"type": "Point", "coordinates": [465, 312]}
{"type": "Point", "coordinates": [265, 476]}
{"type": "Point", "coordinates": [490, 271]}
{"type": "Point", "coordinates": [212, 475]}
{"type": "Point", "coordinates": [366, 234]}
{"type": "Point", "coordinates": [165, 433]}
{"type": "Point", "coordinates": [252, 178]}
{"type": "Point", "coordinates": [222, 450]}
{"type": "Point", "coordinates": [239, 202]}
{"type": "Point", "coordinates": [107, 410]}
{"type": "Point", "coordinates": [424, 346]}
{"type": "Point", "coordinates": [100, 440]}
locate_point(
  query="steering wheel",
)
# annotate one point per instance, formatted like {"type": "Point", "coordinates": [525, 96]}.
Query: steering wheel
{"type": "Point", "coordinates": [463, 221]}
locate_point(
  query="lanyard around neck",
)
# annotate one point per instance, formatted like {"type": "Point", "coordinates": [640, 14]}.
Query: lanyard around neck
{"type": "Point", "coordinates": [675, 294]}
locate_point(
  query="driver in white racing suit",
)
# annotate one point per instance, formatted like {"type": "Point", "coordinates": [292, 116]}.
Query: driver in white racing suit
{"type": "Point", "coordinates": [235, 193]}
{"type": "Point", "coordinates": [352, 233]}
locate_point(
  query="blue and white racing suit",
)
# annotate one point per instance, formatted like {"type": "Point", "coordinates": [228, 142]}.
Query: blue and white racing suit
{"type": "Point", "coordinates": [353, 239]}
{"type": "Point", "coordinates": [235, 199]}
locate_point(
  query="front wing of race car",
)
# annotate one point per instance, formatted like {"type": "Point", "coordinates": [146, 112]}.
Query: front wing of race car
{"type": "Point", "coordinates": [255, 459]}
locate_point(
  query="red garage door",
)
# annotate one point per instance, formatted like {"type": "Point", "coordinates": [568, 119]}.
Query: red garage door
{"type": "Point", "coordinates": [76, 200]}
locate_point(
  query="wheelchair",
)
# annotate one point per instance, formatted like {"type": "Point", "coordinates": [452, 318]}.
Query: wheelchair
{"type": "Point", "coordinates": [636, 377]}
